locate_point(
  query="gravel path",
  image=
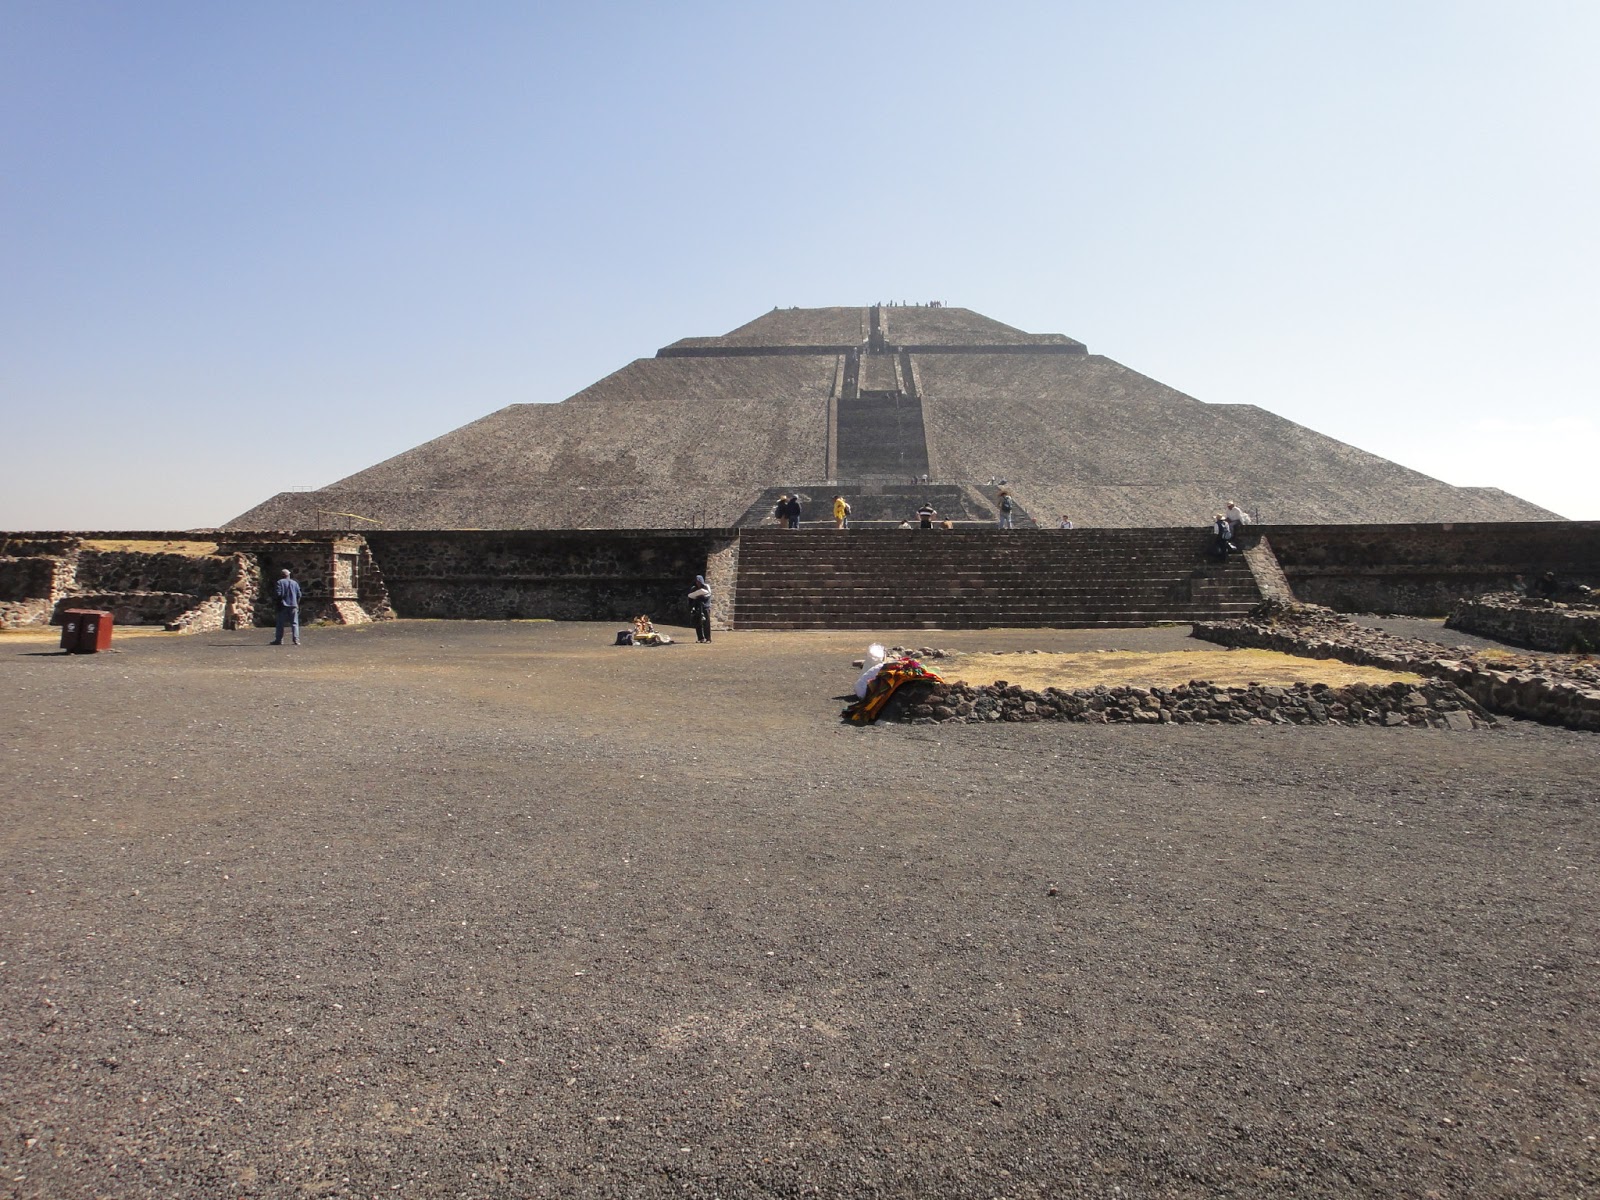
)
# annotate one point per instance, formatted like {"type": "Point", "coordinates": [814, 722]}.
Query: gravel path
{"type": "Point", "coordinates": [498, 910]}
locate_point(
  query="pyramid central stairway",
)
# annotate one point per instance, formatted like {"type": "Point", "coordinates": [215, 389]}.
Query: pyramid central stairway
{"type": "Point", "coordinates": [976, 578]}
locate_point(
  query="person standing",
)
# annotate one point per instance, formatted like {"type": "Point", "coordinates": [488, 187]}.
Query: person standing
{"type": "Point", "coordinates": [1065, 522]}
{"type": "Point", "coordinates": [1236, 517]}
{"type": "Point", "coordinates": [1222, 532]}
{"type": "Point", "coordinates": [700, 602]}
{"type": "Point", "coordinates": [287, 592]}
{"type": "Point", "coordinates": [1007, 506]}
{"type": "Point", "coordinates": [926, 514]}
{"type": "Point", "coordinates": [841, 513]}
{"type": "Point", "coordinates": [793, 511]}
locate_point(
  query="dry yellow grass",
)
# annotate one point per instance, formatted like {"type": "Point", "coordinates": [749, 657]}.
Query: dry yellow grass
{"type": "Point", "coordinates": [1129, 667]}
{"type": "Point", "coordinates": [192, 549]}
{"type": "Point", "coordinates": [52, 633]}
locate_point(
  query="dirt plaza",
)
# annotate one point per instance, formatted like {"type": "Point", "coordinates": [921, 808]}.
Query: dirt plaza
{"type": "Point", "coordinates": [496, 909]}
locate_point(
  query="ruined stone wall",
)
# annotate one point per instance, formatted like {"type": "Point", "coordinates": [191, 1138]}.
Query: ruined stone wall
{"type": "Point", "coordinates": [130, 608]}
{"type": "Point", "coordinates": [500, 575]}
{"type": "Point", "coordinates": [136, 571]}
{"type": "Point", "coordinates": [49, 573]}
{"type": "Point", "coordinates": [1432, 704]}
{"type": "Point", "coordinates": [1529, 621]}
{"type": "Point", "coordinates": [141, 583]}
{"type": "Point", "coordinates": [1424, 569]}
{"type": "Point", "coordinates": [27, 590]}
{"type": "Point", "coordinates": [1558, 689]}
{"type": "Point", "coordinates": [337, 584]}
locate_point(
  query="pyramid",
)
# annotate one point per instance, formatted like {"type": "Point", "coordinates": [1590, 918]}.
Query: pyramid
{"type": "Point", "coordinates": [876, 398]}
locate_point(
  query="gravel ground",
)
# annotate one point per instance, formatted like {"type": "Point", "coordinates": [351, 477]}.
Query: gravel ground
{"type": "Point", "coordinates": [498, 910]}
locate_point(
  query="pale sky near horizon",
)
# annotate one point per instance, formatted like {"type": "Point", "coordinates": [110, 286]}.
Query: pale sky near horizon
{"type": "Point", "coordinates": [246, 248]}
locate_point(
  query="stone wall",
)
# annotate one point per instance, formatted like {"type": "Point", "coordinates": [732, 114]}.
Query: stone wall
{"type": "Point", "coordinates": [1557, 689]}
{"type": "Point", "coordinates": [1423, 570]}
{"type": "Point", "coordinates": [722, 573]}
{"type": "Point", "coordinates": [27, 590]}
{"type": "Point", "coordinates": [43, 574]}
{"type": "Point", "coordinates": [500, 575]}
{"type": "Point", "coordinates": [339, 582]}
{"type": "Point", "coordinates": [1432, 704]}
{"type": "Point", "coordinates": [131, 608]}
{"type": "Point", "coordinates": [1529, 621]}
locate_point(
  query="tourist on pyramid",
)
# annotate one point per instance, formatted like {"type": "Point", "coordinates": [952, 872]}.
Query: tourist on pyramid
{"type": "Point", "coordinates": [1236, 517]}
{"type": "Point", "coordinates": [841, 513]}
{"type": "Point", "coordinates": [926, 514]}
{"type": "Point", "coordinates": [1223, 533]}
{"type": "Point", "coordinates": [1007, 506]}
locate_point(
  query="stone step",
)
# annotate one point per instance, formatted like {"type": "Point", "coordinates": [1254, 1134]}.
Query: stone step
{"type": "Point", "coordinates": [883, 579]}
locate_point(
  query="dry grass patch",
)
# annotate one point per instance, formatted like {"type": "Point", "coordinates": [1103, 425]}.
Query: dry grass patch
{"type": "Point", "coordinates": [52, 633]}
{"type": "Point", "coordinates": [1138, 669]}
{"type": "Point", "coordinates": [153, 546]}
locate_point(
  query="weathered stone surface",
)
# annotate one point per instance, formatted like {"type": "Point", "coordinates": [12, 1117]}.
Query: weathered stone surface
{"type": "Point", "coordinates": [1555, 688]}
{"type": "Point", "coordinates": [1425, 569]}
{"type": "Point", "coordinates": [1529, 621]}
{"type": "Point", "coordinates": [188, 593]}
{"type": "Point", "coordinates": [691, 437]}
{"type": "Point", "coordinates": [1436, 704]}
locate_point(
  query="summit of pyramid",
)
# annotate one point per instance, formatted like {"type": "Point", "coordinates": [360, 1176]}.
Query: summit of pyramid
{"type": "Point", "coordinates": [884, 326]}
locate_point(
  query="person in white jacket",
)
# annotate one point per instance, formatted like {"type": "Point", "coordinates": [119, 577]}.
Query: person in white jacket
{"type": "Point", "coordinates": [1236, 517]}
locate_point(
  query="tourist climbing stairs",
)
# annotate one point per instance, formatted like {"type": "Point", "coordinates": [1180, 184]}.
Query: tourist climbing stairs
{"type": "Point", "coordinates": [976, 578]}
{"type": "Point", "coordinates": [882, 505]}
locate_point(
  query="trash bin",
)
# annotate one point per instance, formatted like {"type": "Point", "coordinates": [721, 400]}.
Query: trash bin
{"type": "Point", "coordinates": [71, 629]}
{"type": "Point", "coordinates": [86, 630]}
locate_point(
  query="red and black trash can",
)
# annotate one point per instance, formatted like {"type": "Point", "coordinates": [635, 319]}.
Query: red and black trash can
{"type": "Point", "coordinates": [86, 630]}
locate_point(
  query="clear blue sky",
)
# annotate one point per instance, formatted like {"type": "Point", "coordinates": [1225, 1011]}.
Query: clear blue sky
{"type": "Point", "coordinates": [250, 247]}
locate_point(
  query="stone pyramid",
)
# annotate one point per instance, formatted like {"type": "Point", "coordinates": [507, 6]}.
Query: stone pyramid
{"type": "Point", "coordinates": [816, 399]}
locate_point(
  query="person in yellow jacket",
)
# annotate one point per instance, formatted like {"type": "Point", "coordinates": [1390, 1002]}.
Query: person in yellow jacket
{"type": "Point", "coordinates": [841, 513]}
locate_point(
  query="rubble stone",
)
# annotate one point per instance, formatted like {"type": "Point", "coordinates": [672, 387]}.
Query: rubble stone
{"type": "Point", "coordinates": [1557, 689]}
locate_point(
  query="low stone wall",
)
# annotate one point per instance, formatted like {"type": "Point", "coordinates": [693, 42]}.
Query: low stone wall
{"type": "Point", "coordinates": [27, 591]}
{"type": "Point", "coordinates": [211, 613]}
{"type": "Point", "coordinates": [1434, 704]}
{"type": "Point", "coordinates": [1423, 569]}
{"type": "Point", "coordinates": [130, 608]}
{"type": "Point", "coordinates": [106, 571]}
{"type": "Point", "coordinates": [574, 576]}
{"type": "Point", "coordinates": [1554, 689]}
{"type": "Point", "coordinates": [1529, 621]}
{"type": "Point", "coordinates": [41, 574]}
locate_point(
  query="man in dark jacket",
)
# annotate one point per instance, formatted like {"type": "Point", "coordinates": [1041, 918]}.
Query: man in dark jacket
{"type": "Point", "coordinates": [288, 596]}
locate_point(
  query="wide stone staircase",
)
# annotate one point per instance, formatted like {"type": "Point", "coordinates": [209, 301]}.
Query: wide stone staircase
{"type": "Point", "coordinates": [972, 578]}
{"type": "Point", "coordinates": [881, 433]}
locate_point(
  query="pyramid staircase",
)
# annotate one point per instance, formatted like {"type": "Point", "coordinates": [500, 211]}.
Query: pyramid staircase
{"type": "Point", "coordinates": [977, 578]}
{"type": "Point", "coordinates": [885, 505]}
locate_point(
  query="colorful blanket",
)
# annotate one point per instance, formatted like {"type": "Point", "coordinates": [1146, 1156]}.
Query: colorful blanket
{"type": "Point", "coordinates": [895, 671]}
